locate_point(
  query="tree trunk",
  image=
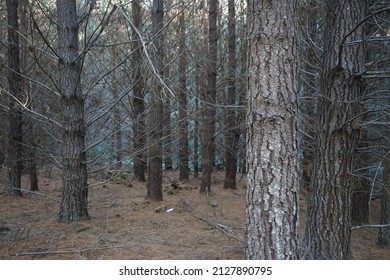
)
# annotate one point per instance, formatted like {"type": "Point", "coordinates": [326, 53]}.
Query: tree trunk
{"type": "Point", "coordinates": [138, 99]}
{"type": "Point", "coordinates": [242, 103]}
{"type": "Point", "coordinates": [74, 204]}
{"type": "Point", "coordinates": [208, 131]}
{"type": "Point", "coordinates": [183, 123]}
{"type": "Point", "coordinates": [232, 132]}
{"type": "Point", "coordinates": [272, 152]}
{"type": "Point", "coordinates": [360, 210]}
{"type": "Point", "coordinates": [14, 148]}
{"type": "Point", "coordinates": [309, 15]}
{"type": "Point", "coordinates": [384, 232]}
{"type": "Point", "coordinates": [154, 191]}
{"type": "Point", "coordinates": [195, 161]}
{"type": "Point", "coordinates": [329, 206]}
{"type": "Point", "coordinates": [167, 122]}
{"type": "Point", "coordinates": [117, 119]}
{"type": "Point", "coordinates": [30, 135]}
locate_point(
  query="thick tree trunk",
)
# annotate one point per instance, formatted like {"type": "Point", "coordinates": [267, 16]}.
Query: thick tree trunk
{"type": "Point", "coordinates": [154, 185]}
{"type": "Point", "coordinates": [74, 204]}
{"type": "Point", "coordinates": [183, 123]}
{"type": "Point", "coordinates": [208, 130]}
{"type": "Point", "coordinates": [14, 147]}
{"type": "Point", "coordinates": [138, 99]}
{"type": "Point", "coordinates": [329, 206]}
{"type": "Point", "coordinates": [232, 132]}
{"type": "Point", "coordinates": [272, 152]}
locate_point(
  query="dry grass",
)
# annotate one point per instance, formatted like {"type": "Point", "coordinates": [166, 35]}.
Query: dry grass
{"type": "Point", "coordinates": [124, 225]}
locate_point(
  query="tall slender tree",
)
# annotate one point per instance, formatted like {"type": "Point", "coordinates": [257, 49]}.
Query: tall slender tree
{"type": "Point", "coordinates": [138, 101]}
{"type": "Point", "coordinates": [272, 152]}
{"type": "Point", "coordinates": [30, 141]}
{"type": "Point", "coordinates": [14, 147]}
{"type": "Point", "coordinates": [208, 130]}
{"type": "Point", "coordinates": [74, 203]}
{"type": "Point", "coordinates": [183, 126]}
{"type": "Point", "coordinates": [384, 231]}
{"type": "Point", "coordinates": [117, 118]}
{"type": "Point", "coordinates": [154, 185]}
{"type": "Point", "coordinates": [338, 128]}
{"type": "Point", "coordinates": [232, 131]}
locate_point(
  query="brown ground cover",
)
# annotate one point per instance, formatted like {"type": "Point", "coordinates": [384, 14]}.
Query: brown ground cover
{"type": "Point", "coordinates": [123, 225]}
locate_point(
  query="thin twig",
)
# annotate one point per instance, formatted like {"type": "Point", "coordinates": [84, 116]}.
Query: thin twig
{"type": "Point", "coordinates": [40, 194]}
{"type": "Point", "coordinates": [64, 251]}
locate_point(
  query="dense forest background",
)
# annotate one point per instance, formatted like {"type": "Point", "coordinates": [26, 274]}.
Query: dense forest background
{"type": "Point", "coordinates": [293, 96]}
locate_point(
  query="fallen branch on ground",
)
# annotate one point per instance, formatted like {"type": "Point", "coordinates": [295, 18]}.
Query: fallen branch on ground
{"type": "Point", "coordinates": [225, 229]}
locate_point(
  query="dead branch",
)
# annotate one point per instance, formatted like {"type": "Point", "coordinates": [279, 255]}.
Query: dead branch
{"type": "Point", "coordinates": [225, 229]}
{"type": "Point", "coordinates": [40, 253]}
{"type": "Point", "coordinates": [370, 226]}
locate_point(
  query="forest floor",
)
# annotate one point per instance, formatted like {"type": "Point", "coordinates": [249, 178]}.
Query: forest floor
{"type": "Point", "coordinates": [123, 225]}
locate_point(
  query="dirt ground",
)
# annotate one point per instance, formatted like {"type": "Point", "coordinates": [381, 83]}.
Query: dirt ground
{"type": "Point", "coordinates": [186, 225]}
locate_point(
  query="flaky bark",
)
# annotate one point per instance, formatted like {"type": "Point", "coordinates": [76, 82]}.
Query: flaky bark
{"type": "Point", "coordinates": [272, 193]}
{"type": "Point", "coordinates": [329, 207]}
{"type": "Point", "coordinates": [74, 204]}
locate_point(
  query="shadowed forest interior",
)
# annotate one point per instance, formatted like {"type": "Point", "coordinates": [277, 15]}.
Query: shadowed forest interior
{"type": "Point", "coordinates": [205, 129]}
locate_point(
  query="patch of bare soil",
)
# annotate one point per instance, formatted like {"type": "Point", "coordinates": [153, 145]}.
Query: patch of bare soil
{"type": "Point", "coordinates": [123, 225]}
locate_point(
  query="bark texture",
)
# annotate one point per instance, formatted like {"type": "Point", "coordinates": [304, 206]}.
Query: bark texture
{"type": "Point", "coordinates": [74, 203]}
{"type": "Point", "coordinates": [14, 147]}
{"type": "Point", "coordinates": [272, 194]}
{"type": "Point", "coordinates": [154, 185]}
{"type": "Point", "coordinates": [338, 130]}
{"type": "Point", "coordinates": [232, 132]}
{"type": "Point", "coordinates": [138, 98]}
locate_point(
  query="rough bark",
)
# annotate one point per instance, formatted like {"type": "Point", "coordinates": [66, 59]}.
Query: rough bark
{"type": "Point", "coordinates": [329, 207]}
{"type": "Point", "coordinates": [138, 98]}
{"type": "Point", "coordinates": [208, 129]}
{"type": "Point", "coordinates": [232, 132]}
{"type": "Point", "coordinates": [183, 123]}
{"type": "Point", "coordinates": [154, 185]}
{"type": "Point", "coordinates": [272, 152]}
{"type": "Point", "coordinates": [74, 203]}
{"type": "Point", "coordinates": [14, 147]}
